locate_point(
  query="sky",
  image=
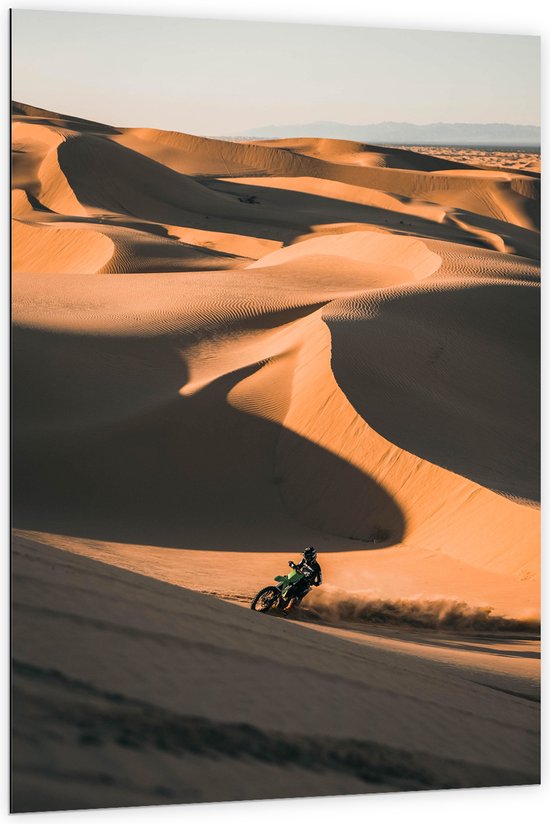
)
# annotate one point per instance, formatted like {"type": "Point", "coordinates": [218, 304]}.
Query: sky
{"type": "Point", "coordinates": [216, 77]}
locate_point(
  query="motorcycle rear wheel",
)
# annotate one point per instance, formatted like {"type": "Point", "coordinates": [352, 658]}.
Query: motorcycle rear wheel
{"type": "Point", "coordinates": [265, 600]}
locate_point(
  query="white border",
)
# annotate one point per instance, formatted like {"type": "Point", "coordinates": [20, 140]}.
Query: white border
{"type": "Point", "coordinates": [506, 805]}
{"type": "Point", "coordinates": [467, 15]}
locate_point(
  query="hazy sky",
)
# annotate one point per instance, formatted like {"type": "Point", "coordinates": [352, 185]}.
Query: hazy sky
{"type": "Point", "coordinates": [225, 77]}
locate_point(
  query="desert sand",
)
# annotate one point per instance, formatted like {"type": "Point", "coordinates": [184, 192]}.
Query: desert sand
{"type": "Point", "coordinates": [224, 352]}
{"type": "Point", "coordinates": [518, 158]}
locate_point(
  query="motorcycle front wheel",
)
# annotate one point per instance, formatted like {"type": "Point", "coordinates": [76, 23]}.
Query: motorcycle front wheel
{"type": "Point", "coordinates": [265, 600]}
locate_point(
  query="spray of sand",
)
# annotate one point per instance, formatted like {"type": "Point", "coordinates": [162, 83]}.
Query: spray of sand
{"type": "Point", "coordinates": [335, 605]}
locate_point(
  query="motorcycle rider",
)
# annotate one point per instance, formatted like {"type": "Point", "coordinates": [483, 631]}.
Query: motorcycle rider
{"type": "Point", "coordinates": [310, 569]}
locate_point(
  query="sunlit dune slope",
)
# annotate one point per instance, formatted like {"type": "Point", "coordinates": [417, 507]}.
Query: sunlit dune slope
{"type": "Point", "coordinates": [251, 347]}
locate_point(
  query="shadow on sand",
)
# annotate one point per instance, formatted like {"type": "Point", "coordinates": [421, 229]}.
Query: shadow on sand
{"type": "Point", "coordinates": [106, 448]}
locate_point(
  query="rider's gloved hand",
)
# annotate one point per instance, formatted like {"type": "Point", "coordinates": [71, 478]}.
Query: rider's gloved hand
{"type": "Point", "coordinates": [291, 564]}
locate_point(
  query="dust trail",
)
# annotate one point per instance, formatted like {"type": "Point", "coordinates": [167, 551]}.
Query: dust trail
{"type": "Point", "coordinates": [338, 605]}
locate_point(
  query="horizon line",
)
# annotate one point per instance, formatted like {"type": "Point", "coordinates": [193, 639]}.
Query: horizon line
{"type": "Point", "coordinates": [308, 123]}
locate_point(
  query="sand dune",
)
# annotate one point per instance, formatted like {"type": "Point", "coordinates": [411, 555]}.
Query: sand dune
{"type": "Point", "coordinates": [129, 671]}
{"type": "Point", "coordinates": [226, 351]}
{"type": "Point", "coordinates": [383, 252]}
{"type": "Point", "coordinates": [350, 152]}
{"type": "Point", "coordinates": [50, 250]}
{"type": "Point", "coordinates": [418, 374]}
{"type": "Point", "coordinates": [394, 360]}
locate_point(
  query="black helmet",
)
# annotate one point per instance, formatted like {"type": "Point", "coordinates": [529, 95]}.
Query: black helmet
{"type": "Point", "coordinates": [310, 553]}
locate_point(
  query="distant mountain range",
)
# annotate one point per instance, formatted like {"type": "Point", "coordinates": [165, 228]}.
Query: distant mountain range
{"type": "Point", "coordinates": [429, 134]}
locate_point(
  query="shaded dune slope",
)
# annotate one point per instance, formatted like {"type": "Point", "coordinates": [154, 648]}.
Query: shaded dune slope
{"type": "Point", "coordinates": [336, 344]}
{"type": "Point", "coordinates": [421, 377]}
{"type": "Point", "coordinates": [126, 670]}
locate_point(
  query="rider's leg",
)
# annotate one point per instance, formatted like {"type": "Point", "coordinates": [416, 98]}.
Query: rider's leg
{"type": "Point", "coordinates": [300, 595]}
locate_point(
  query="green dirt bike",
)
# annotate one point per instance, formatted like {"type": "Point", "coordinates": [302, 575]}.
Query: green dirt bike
{"type": "Point", "coordinates": [289, 591]}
